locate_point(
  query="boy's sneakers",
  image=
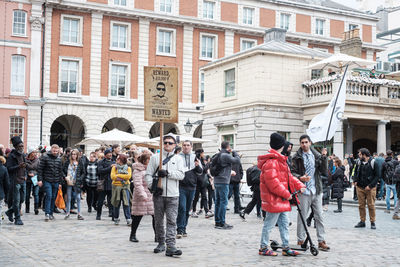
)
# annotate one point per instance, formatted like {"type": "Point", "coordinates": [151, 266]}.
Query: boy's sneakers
{"type": "Point", "coordinates": [224, 226]}
{"type": "Point", "coordinates": [209, 214]}
{"type": "Point", "coordinates": [396, 217]}
{"type": "Point", "coordinates": [116, 221]}
{"type": "Point", "coordinates": [361, 224]}
{"type": "Point", "coordinates": [179, 235]}
{"type": "Point", "coordinates": [46, 217]}
{"type": "Point", "coordinates": [184, 234]}
{"type": "Point", "coordinates": [242, 214]}
{"type": "Point", "coordinates": [267, 252]}
{"type": "Point", "coordinates": [289, 252]}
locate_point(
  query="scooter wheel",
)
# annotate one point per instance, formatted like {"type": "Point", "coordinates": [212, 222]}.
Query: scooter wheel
{"type": "Point", "coordinates": [314, 251]}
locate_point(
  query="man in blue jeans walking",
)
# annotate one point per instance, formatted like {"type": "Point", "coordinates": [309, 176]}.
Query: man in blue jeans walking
{"type": "Point", "coordinates": [187, 187]}
{"type": "Point", "coordinates": [49, 176]}
{"type": "Point", "coordinates": [388, 174]}
{"type": "Point", "coordinates": [227, 157]}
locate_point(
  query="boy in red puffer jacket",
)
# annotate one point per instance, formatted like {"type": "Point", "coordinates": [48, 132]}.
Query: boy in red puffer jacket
{"type": "Point", "coordinates": [275, 183]}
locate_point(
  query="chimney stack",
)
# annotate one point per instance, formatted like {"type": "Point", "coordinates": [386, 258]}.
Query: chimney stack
{"type": "Point", "coordinates": [351, 43]}
{"type": "Point", "coordinates": [275, 34]}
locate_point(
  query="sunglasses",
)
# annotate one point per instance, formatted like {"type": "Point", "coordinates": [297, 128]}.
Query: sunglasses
{"type": "Point", "coordinates": [169, 143]}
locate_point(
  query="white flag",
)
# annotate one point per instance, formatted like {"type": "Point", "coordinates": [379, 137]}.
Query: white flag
{"type": "Point", "coordinates": [318, 128]}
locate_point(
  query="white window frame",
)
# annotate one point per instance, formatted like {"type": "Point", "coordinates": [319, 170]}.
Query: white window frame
{"type": "Point", "coordinates": [253, 19]}
{"type": "Point", "coordinates": [317, 29]}
{"type": "Point", "coordinates": [79, 82]}
{"type": "Point", "coordinates": [80, 34]}
{"type": "Point", "coordinates": [353, 24]}
{"type": "Point", "coordinates": [235, 83]}
{"type": "Point", "coordinates": [24, 74]}
{"type": "Point", "coordinates": [23, 126]}
{"type": "Point", "coordinates": [290, 16]}
{"type": "Point", "coordinates": [127, 80]}
{"type": "Point", "coordinates": [320, 49]}
{"type": "Point", "coordinates": [247, 40]}
{"type": "Point", "coordinates": [173, 42]}
{"type": "Point", "coordinates": [201, 73]}
{"type": "Point", "coordinates": [128, 36]}
{"type": "Point", "coordinates": [158, 6]}
{"type": "Point", "coordinates": [215, 51]}
{"type": "Point", "coordinates": [112, 3]}
{"type": "Point", "coordinates": [26, 20]}
{"type": "Point", "coordinates": [214, 10]}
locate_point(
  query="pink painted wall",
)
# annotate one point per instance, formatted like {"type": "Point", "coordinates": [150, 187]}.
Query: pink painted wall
{"type": "Point", "coordinates": [6, 24]}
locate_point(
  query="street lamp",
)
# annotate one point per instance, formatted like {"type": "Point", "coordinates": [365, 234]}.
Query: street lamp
{"type": "Point", "coordinates": [188, 125]}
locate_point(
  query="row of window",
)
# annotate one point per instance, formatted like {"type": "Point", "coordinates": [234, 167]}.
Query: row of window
{"type": "Point", "coordinates": [120, 38]}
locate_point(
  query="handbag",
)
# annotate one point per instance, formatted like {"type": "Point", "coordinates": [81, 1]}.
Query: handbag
{"type": "Point", "coordinates": [69, 180]}
{"type": "Point", "coordinates": [154, 189]}
{"type": "Point", "coordinates": [60, 203]}
{"type": "Point", "coordinates": [100, 185]}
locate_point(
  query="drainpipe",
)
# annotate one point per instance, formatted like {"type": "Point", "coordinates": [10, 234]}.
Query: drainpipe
{"type": "Point", "coordinates": [42, 74]}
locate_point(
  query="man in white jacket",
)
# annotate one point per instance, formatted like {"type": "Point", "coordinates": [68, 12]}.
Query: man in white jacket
{"type": "Point", "coordinates": [166, 203]}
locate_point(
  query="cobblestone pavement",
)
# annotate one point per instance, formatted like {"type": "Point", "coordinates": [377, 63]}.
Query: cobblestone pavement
{"type": "Point", "coordinates": [101, 243]}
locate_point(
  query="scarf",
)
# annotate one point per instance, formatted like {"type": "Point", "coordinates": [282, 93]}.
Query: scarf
{"type": "Point", "coordinates": [122, 169]}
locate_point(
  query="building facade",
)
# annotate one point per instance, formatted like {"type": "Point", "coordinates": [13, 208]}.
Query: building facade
{"type": "Point", "coordinates": [95, 51]}
{"type": "Point", "coordinates": [20, 54]}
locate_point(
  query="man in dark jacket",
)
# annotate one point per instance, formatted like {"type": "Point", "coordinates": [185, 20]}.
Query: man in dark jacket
{"type": "Point", "coordinates": [187, 186]}
{"type": "Point", "coordinates": [308, 165]}
{"type": "Point", "coordinates": [104, 169]}
{"type": "Point", "coordinates": [221, 183]}
{"type": "Point", "coordinates": [50, 175]}
{"type": "Point", "coordinates": [234, 186]}
{"type": "Point", "coordinates": [379, 160]}
{"type": "Point", "coordinates": [16, 167]}
{"type": "Point", "coordinates": [387, 173]}
{"type": "Point", "coordinates": [253, 175]}
{"type": "Point", "coordinates": [365, 182]}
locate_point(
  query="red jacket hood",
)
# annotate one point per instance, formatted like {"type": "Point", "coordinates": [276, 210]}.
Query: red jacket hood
{"type": "Point", "coordinates": [272, 154]}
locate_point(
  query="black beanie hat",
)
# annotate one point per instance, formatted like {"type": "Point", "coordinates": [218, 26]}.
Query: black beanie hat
{"type": "Point", "coordinates": [16, 140]}
{"type": "Point", "coordinates": [276, 141]}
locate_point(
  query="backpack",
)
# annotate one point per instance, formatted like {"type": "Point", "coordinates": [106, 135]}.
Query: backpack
{"type": "Point", "coordinates": [396, 174]}
{"type": "Point", "coordinates": [389, 172]}
{"type": "Point", "coordinates": [251, 175]}
{"type": "Point", "coordinates": [215, 166]}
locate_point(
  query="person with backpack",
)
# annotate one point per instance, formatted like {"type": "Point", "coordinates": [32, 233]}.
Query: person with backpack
{"type": "Point", "coordinates": [253, 180]}
{"type": "Point", "coordinates": [388, 171]}
{"type": "Point", "coordinates": [379, 160]}
{"type": "Point", "coordinates": [365, 182]}
{"type": "Point", "coordinates": [201, 188]}
{"type": "Point", "coordinates": [234, 186]}
{"type": "Point", "coordinates": [221, 169]}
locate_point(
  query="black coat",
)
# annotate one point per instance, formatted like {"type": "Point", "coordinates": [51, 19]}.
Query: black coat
{"type": "Point", "coordinates": [253, 175]}
{"type": "Point", "coordinates": [3, 181]}
{"type": "Point", "coordinates": [50, 169]}
{"type": "Point", "coordinates": [104, 169]}
{"type": "Point", "coordinates": [237, 167]}
{"type": "Point", "coordinates": [17, 175]}
{"type": "Point", "coordinates": [338, 183]}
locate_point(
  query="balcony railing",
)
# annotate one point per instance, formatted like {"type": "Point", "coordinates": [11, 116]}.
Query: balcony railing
{"type": "Point", "coordinates": [358, 89]}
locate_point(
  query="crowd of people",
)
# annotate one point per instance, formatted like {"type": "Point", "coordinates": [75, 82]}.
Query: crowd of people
{"type": "Point", "coordinates": [170, 190]}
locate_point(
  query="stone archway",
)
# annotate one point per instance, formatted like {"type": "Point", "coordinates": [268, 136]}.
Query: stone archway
{"type": "Point", "coordinates": [198, 133]}
{"type": "Point", "coordinates": [364, 143]}
{"type": "Point", "coordinates": [119, 123]}
{"type": "Point", "coordinates": [168, 128]}
{"type": "Point", "coordinates": [67, 131]}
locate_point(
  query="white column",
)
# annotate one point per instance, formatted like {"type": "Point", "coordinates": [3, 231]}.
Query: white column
{"type": "Point", "coordinates": [381, 139]}
{"type": "Point", "coordinates": [349, 139]}
{"type": "Point", "coordinates": [144, 28]}
{"type": "Point", "coordinates": [47, 51]}
{"type": "Point", "coordinates": [33, 124]}
{"type": "Point", "coordinates": [338, 142]}
{"type": "Point", "coordinates": [36, 21]}
{"type": "Point", "coordinates": [229, 39]}
{"type": "Point", "coordinates": [95, 55]}
{"type": "Point", "coordinates": [187, 64]}
{"type": "Point", "coordinates": [388, 138]}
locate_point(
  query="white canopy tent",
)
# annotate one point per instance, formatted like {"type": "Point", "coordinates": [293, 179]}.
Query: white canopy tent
{"type": "Point", "coordinates": [339, 61]}
{"type": "Point", "coordinates": [116, 136]}
{"type": "Point", "coordinates": [182, 138]}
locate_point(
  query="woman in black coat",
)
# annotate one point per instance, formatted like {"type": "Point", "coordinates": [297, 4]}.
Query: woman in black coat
{"type": "Point", "coordinates": [337, 182]}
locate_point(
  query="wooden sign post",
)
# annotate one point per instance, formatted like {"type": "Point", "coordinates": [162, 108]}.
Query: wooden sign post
{"type": "Point", "coordinates": [161, 99]}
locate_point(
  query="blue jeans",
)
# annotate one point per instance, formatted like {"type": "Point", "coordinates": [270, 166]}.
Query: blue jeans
{"type": "Point", "coordinates": [51, 190]}
{"type": "Point", "coordinates": [381, 187]}
{"type": "Point", "coordinates": [269, 223]}
{"type": "Point", "coordinates": [185, 202]}
{"type": "Point", "coordinates": [390, 187]}
{"type": "Point", "coordinates": [18, 198]}
{"type": "Point", "coordinates": [234, 190]}
{"type": "Point", "coordinates": [127, 209]}
{"type": "Point", "coordinates": [221, 201]}
{"type": "Point", "coordinates": [73, 195]}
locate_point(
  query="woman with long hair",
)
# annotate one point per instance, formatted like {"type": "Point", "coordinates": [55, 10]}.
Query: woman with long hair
{"type": "Point", "coordinates": [74, 183]}
{"type": "Point", "coordinates": [120, 175]}
{"type": "Point", "coordinates": [142, 201]}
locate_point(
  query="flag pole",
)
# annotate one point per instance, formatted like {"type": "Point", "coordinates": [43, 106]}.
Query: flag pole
{"type": "Point", "coordinates": [334, 106]}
